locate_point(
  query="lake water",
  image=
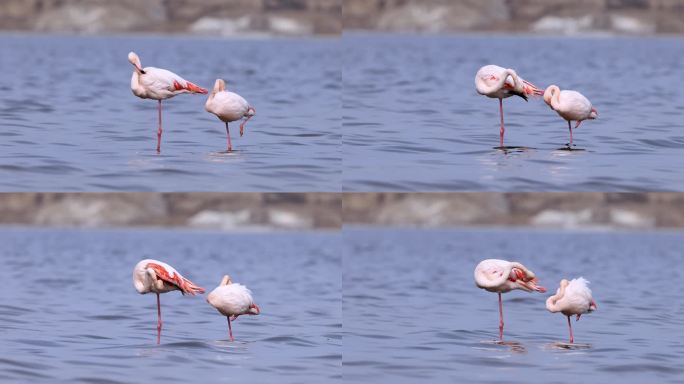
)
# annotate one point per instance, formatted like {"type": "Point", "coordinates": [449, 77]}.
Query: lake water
{"type": "Point", "coordinates": [413, 120]}
{"type": "Point", "coordinates": [69, 122]}
{"type": "Point", "coordinates": [69, 312]}
{"type": "Point", "coordinates": [412, 312]}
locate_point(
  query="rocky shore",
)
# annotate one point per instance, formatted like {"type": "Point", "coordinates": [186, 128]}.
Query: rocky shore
{"type": "Point", "coordinates": [560, 17]}
{"type": "Point", "coordinates": [203, 17]}
{"type": "Point", "coordinates": [552, 210]}
{"type": "Point", "coordinates": [212, 211]}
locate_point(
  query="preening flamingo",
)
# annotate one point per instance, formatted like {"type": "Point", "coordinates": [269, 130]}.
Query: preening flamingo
{"type": "Point", "coordinates": [229, 107]}
{"type": "Point", "coordinates": [499, 83]}
{"type": "Point", "coordinates": [570, 105]}
{"type": "Point", "coordinates": [232, 300]}
{"type": "Point", "coordinates": [158, 84]}
{"type": "Point", "coordinates": [158, 277]}
{"type": "Point", "coordinates": [502, 276]}
{"type": "Point", "coordinates": [572, 298]}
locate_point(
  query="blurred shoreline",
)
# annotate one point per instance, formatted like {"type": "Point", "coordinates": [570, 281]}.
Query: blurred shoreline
{"type": "Point", "coordinates": [202, 211]}
{"type": "Point", "coordinates": [195, 17]}
{"type": "Point", "coordinates": [556, 17]}
{"type": "Point", "coordinates": [578, 211]}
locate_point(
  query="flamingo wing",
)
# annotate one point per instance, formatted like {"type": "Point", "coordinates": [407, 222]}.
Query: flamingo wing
{"type": "Point", "coordinates": [174, 278]}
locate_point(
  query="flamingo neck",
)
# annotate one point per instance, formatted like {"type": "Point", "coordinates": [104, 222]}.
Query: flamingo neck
{"type": "Point", "coordinates": [500, 81]}
{"type": "Point", "coordinates": [553, 98]}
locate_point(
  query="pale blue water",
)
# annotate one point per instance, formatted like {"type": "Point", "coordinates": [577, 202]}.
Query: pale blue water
{"type": "Point", "coordinates": [412, 312]}
{"type": "Point", "coordinates": [69, 122]}
{"type": "Point", "coordinates": [69, 312]}
{"type": "Point", "coordinates": [414, 122]}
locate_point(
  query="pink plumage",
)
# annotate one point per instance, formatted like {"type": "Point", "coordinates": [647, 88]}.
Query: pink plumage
{"type": "Point", "coordinates": [503, 276]}
{"type": "Point", "coordinates": [158, 84]}
{"type": "Point", "coordinates": [570, 105]}
{"type": "Point", "coordinates": [232, 300]}
{"type": "Point", "coordinates": [229, 107]}
{"type": "Point", "coordinates": [154, 276]}
{"type": "Point", "coordinates": [499, 83]}
{"type": "Point", "coordinates": [572, 298]}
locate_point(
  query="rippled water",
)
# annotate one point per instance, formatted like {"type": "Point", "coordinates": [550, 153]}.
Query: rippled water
{"type": "Point", "coordinates": [412, 311]}
{"type": "Point", "coordinates": [69, 312]}
{"type": "Point", "coordinates": [413, 120]}
{"type": "Point", "coordinates": [69, 122]}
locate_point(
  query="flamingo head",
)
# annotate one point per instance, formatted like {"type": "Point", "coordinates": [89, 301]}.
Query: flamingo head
{"type": "Point", "coordinates": [254, 309]}
{"type": "Point", "coordinates": [549, 92]}
{"type": "Point", "coordinates": [219, 86]}
{"type": "Point", "coordinates": [251, 111]}
{"type": "Point", "coordinates": [135, 60]}
{"type": "Point", "coordinates": [593, 114]}
{"type": "Point", "coordinates": [226, 280]}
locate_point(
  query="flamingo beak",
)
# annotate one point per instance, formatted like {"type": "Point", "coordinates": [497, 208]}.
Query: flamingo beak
{"type": "Point", "coordinates": [138, 68]}
{"type": "Point", "coordinates": [254, 309]}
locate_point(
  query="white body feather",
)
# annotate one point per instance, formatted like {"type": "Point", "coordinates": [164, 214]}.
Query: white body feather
{"type": "Point", "coordinates": [484, 83]}
{"type": "Point", "coordinates": [503, 276]}
{"type": "Point", "coordinates": [145, 281]}
{"type": "Point", "coordinates": [231, 300]}
{"type": "Point", "coordinates": [575, 300]}
{"type": "Point", "coordinates": [227, 106]}
{"type": "Point", "coordinates": [573, 106]}
{"type": "Point", "coordinates": [157, 84]}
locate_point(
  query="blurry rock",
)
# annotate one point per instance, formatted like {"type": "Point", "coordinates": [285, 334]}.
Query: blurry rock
{"type": "Point", "coordinates": [289, 219]}
{"type": "Point", "coordinates": [221, 220]}
{"type": "Point", "coordinates": [562, 219]}
{"type": "Point", "coordinates": [631, 219]}
{"type": "Point", "coordinates": [221, 26]}
{"type": "Point", "coordinates": [563, 25]}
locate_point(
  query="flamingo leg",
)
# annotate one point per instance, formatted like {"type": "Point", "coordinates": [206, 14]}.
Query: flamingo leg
{"type": "Point", "coordinates": [230, 329]}
{"type": "Point", "coordinates": [572, 338]}
{"type": "Point", "coordinates": [570, 129]}
{"type": "Point", "coordinates": [501, 322]}
{"type": "Point", "coordinates": [242, 126]}
{"type": "Point", "coordinates": [501, 132]}
{"type": "Point", "coordinates": [230, 145]}
{"type": "Point", "coordinates": [159, 320]}
{"type": "Point", "coordinates": [159, 130]}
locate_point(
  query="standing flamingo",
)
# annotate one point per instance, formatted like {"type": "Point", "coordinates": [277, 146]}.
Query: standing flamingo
{"type": "Point", "coordinates": [158, 84]}
{"type": "Point", "coordinates": [502, 276]}
{"type": "Point", "coordinates": [570, 105]}
{"type": "Point", "coordinates": [154, 276]}
{"type": "Point", "coordinates": [572, 298]}
{"type": "Point", "coordinates": [232, 300]}
{"type": "Point", "coordinates": [229, 107]}
{"type": "Point", "coordinates": [499, 83]}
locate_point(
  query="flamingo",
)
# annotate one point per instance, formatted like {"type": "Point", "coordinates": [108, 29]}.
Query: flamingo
{"type": "Point", "coordinates": [158, 84]}
{"type": "Point", "coordinates": [158, 277]}
{"type": "Point", "coordinates": [499, 83]}
{"type": "Point", "coordinates": [570, 105]}
{"type": "Point", "coordinates": [232, 300]}
{"type": "Point", "coordinates": [502, 276]}
{"type": "Point", "coordinates": [229, 107]}
{"type": "Point", "coordinates": [572, 298]}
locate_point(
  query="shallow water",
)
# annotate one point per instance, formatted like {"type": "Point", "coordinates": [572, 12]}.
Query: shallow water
{"type": "Point", "coordinates": [413, 120]}
{"type": "Point", "coordinates": [69, 122]}
{"type": "Point", "coordinates": [412, 310]}
{"type": "Point", "coordinates": [69, 312]}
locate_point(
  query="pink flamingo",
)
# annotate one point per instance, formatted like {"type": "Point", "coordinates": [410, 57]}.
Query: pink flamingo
{"type": "Point", "coordinates": [570, 105]}
{"type": "Point", "coordinates": [232, 300]}
{"type": "Point", "coordinates": [572, 298]}
{"type": "Point", "coordinates": [158, 277]}
{"type": "Point", "coordinates": [158, 84]}
{"type": "Point", "coordinates": [499, 83]}
{"type": "Point", "coordinates": [229, 107]}
{"type": "Point", "coordinates": [502, 276]}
